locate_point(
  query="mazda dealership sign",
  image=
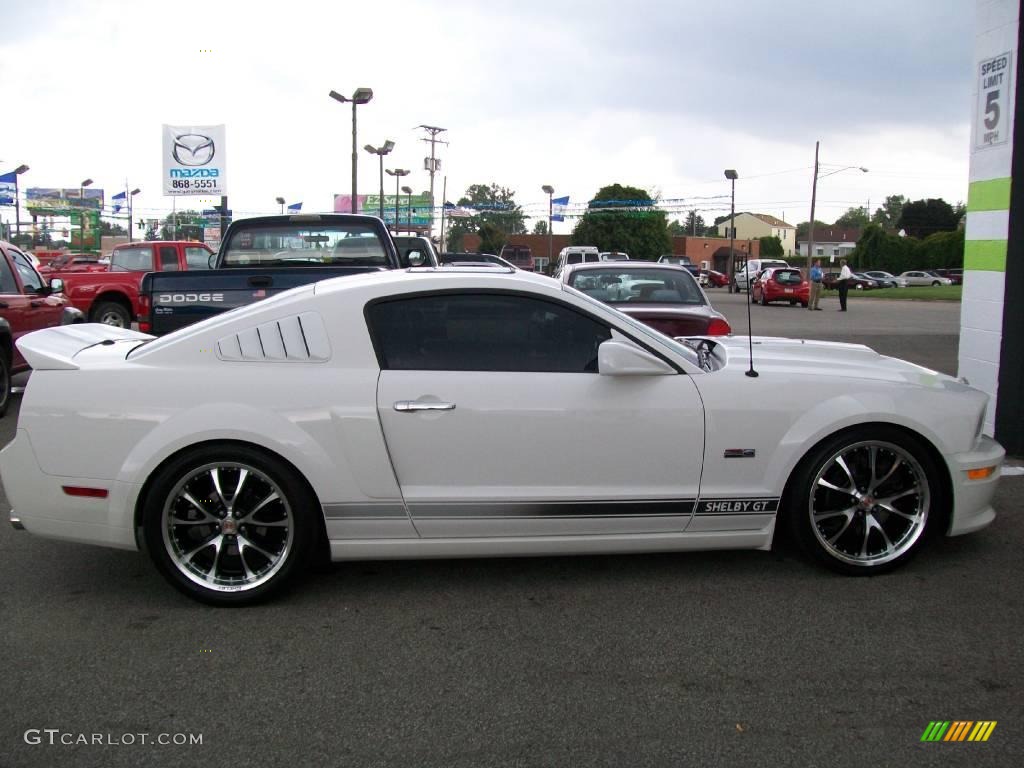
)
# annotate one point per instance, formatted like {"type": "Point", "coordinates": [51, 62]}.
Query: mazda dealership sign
{"type": "Point", "coordinates": [194, 160]}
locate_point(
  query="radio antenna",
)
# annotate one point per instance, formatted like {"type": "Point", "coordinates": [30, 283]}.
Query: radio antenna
{"type": "Point", "coordinates": [750, 333]}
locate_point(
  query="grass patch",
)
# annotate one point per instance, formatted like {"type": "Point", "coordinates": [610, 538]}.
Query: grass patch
{"type": "Point", "coordinates": [912, 293]}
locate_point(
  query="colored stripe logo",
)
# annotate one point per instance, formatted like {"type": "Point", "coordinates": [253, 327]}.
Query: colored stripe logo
{"type": "Point", "coordinates": [958, 730]}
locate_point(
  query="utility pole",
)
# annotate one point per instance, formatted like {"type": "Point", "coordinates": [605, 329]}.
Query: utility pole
{"type": "Point", "coordinates": [432, 164]}
{"type": "Point", "coordinates": [810, 229]}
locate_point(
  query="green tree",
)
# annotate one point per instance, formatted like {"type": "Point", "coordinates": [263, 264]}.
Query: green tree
{"type": "Point", "coordinates": [182, 225]}
{"type": "Point", "coordinates": [771, 248]}
{"type": "Point", "coordinates": [106, 228]}
{"type": "Point", "coordinates": [495, 205]}
{"type": "Point", "coordinates": [492, 238]}
{"type": "Point", "coordinates": [621, 218]}
{"type": "Point", "coordinates": [691, 226]}
{"type": "Point", "coordinates": [890, 212]}
{"type": "Point", "coordinates": [804, 227]}
{"type": "Point", "coordinates": [854, 218]}
{"type": "Point", "coordinates": [541, 227]}
{"type": "Point", "coordinates": [925, 217]}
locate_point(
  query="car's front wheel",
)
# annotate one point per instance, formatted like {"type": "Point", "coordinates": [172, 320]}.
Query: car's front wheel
{"type": "Point", "coordinates": [862, 501]}
{"type": "Point", "coordinates": [228, 524]}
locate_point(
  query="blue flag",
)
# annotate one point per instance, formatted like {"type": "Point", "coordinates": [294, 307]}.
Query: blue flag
{"type": "Point", "coordinates": [118, 196]}
{"type": "Point", "coordinates": [295, 207]}
{"type": "Point", "coordinates": [558, 206]}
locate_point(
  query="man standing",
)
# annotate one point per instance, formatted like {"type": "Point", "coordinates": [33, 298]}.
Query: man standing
{"type": "Point", "coordinates": [812, 303]}
{"type": "Point", "coordinates": [845, 275]}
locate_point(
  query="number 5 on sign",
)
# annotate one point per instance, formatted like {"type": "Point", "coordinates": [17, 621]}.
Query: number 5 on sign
{"type": "Point", "coordinates": [991, 122]}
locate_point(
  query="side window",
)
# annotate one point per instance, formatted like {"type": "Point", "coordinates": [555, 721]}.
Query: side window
{"type": "Point", "coordinates": [484, 332]}
{"type": "Point", "coordinates": [197, 258]}
{"type": "Point", "coordinates": [7, 282]}
{"type": "Point", "coordinates": [29, 277]}
{"type": "Point", "coordinates": [574, 258]}
{"type": "Point", "coordinates": [168, 258]}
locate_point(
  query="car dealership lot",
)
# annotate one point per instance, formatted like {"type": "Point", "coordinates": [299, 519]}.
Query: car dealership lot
{"type": "Point", "coordinates": [704, 659]}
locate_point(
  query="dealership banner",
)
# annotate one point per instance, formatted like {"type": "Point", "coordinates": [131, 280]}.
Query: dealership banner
{"type": "Point", "coordinates": [370, 205]}
{"type": "Point", "coordinates": [51, 200]}
{"type": "Point", "coordinates": [194, 160]}
{"type": "Point", "coordinates": [7, 182]}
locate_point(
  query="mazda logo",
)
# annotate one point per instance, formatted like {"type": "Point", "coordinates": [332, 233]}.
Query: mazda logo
{"type": "Point", "coordinates": [193, 149]}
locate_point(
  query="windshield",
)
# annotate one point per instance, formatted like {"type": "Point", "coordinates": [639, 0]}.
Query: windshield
{"type": "Point", "coordinates": [305, 244]}
{"type": "Point", "coordinates": [788, 277]}
{"type": "Point", "coordinates": [621, 285]}
{"type": "Point", "coordinates": [139, 259]}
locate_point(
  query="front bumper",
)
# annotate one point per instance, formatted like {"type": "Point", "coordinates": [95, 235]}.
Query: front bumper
{"type": "Point", "coordinates": [972, 499]}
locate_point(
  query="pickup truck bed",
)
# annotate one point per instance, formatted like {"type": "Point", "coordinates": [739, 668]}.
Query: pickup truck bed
{"type": "Point", "coordinates": [262, 256]}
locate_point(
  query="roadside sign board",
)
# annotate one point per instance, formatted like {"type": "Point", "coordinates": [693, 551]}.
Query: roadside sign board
{"type": "Point", "coordinates": [194, 160]}
{"type": "Point", "coordinates": [994, 109]}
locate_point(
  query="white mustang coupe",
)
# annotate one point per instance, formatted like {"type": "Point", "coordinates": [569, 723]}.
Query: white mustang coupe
{"type": "Point", "coordinates": [479, 412]}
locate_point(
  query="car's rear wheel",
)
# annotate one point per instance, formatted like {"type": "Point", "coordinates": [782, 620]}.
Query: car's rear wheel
{"type": "Point", "coordinates": [5, 382]}
{"type": "Point", "coordinates": [228, 524]}
{"type": "Point", "coordinates": [112, 313]}
{"type": "Point", "coordinates": [862, 501]}
{"type": "Point", "coordinates": [764, 299]}
{"type": "Point", "coordinates": [792, 302]}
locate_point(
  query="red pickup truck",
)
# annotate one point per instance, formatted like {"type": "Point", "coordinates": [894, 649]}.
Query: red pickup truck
{"type": "Point", "coordinates": [112, 296]}
{"type": "Point", "coordinates": [27, 303]}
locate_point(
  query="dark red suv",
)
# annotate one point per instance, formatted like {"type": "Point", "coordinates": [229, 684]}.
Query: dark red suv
{"type": "Point", "coordinates": [27, 303]}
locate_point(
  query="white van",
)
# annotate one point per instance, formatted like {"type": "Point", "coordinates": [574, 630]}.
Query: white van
{"type": "Point", "coordinates": [577, 254]}
{"type": "Point", "coordinates": [749, 270]}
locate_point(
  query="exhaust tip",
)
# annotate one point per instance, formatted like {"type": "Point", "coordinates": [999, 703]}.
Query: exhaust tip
{"type": "Point", "coordinates": [16, 523]}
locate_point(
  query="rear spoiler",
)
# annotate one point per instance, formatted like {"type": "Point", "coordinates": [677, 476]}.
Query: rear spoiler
{"type": "Point", "coordinates": [54, 349]}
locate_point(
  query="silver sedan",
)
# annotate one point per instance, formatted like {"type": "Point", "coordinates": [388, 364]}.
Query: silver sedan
{"type": "Point", "coordinates": [921, 277]}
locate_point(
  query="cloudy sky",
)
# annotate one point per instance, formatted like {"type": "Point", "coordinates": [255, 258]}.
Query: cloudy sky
{"type": "Point", "coordinates": [659, 95]}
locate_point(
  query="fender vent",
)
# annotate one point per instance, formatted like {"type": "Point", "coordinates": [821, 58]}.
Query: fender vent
{"type": "Point", "coordinates": [299, 338]}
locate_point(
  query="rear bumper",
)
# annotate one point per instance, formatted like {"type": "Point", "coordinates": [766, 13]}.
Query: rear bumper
{"type": "Point", "coordinates": [972, 499]}
{"type": "Point", "coordinates": [43, 508]}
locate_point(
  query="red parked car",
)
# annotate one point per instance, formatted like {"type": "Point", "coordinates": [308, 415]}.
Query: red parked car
{"type": "Point", "coordinates": [710, 277]}
{"type": "Point", "coordinates": [28, 303]}
{"type": "Point", "coordinates": [779, 284]}
{"type": "Point", "coordinates": [72, 262]}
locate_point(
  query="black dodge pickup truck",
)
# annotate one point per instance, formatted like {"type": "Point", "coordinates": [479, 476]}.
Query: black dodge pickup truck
{"type": "Point", "coordinates": [262, 256]}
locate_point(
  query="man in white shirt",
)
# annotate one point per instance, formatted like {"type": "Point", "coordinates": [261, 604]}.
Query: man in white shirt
{"type": "Point", "coordinates": [843, 283]}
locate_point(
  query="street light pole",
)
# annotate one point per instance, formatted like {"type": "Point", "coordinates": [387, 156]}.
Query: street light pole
{"type": "Point", "coordinates": [361, 96]}
{"type": "Point", "coordinates": [131, 194]}
{"type": "Point", "coordinates": [280, 201]}
{"type": "Point", "coordinates": [408, 208]}
{"type": "Point", "coordinates": [398, 173]}
{"type": "Point", "coordinates": [732, 176]}
{"type": "Point", "coordinates": [550, 190]}
{"type": "Point", "coordinates": [380, 152]}
{"type": "Point", "coordinates": [17, 201]}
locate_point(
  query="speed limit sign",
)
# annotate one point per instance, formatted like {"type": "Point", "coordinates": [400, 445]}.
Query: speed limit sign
{"type": "Point", "coordinates": [992, 120]}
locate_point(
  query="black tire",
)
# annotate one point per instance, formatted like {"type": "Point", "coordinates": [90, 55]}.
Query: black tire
{"type": "Point", "coordinates": [111, 313]}
{"type": "Point", "coordinates": [792, 302]}
{"type": "Point", "coordinates": [5, 382]}
{"type": "Point", "coordinates": [830, 522]}
{"type": "Point", "coordinates": [249, 562]}
{"type": "Point", "coordinates": [935, 282]}
{"type": "Point", "coordinates": [764, 299]}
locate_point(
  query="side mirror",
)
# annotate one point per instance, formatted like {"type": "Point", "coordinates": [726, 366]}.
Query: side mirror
{"type": "Point", "coordinates": [416, 259]}
{"type": "Point", "coordinates": [212, 261]}
{"type": "Point", "coordinates": [621, 358]}
{"type": "Point", "coordinates": [56, 285]}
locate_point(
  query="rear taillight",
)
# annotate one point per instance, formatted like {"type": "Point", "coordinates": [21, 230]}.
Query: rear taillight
{"type": "Point", "coordinates": [719, 327]}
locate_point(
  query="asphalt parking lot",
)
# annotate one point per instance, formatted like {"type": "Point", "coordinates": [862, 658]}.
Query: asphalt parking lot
{"type": "Point", "coordinates": [710, 659]}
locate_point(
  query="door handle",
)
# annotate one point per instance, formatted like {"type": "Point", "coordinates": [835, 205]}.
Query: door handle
{"type": "Point", "coordinates": [4, 305]}
{"type": "Point", "coordinates": [261, 281]}
{"type": "Point", "coordinates": [35, 303]}
{"type": "Point", "coordinates": [408, 406]}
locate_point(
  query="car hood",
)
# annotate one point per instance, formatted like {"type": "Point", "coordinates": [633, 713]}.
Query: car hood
{"type": "Point", "coordinates": [828, 358]}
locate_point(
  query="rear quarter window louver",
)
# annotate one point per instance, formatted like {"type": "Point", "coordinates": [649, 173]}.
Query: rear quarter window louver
{"type": "Point", "coordinates": [295, 339]}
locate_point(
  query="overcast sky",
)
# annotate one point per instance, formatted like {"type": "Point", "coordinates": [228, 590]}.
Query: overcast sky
{"type": "Point", "coordinates": [659, 95]}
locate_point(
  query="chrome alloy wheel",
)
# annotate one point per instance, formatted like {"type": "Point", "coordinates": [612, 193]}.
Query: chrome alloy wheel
{"type": "Point", "coordinates": [869, 503]}
{"type": "Point", "coordinates": [227, 527]}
